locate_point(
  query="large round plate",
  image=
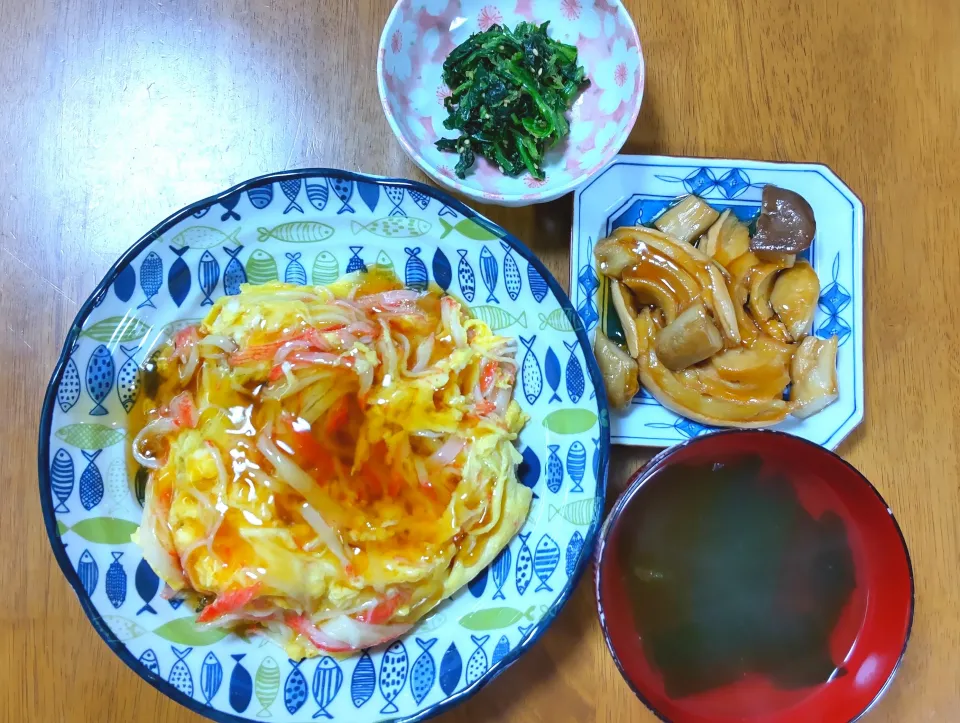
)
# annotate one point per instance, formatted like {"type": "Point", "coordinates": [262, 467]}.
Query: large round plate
{"type": "Point", "coordinates": [310, 226]}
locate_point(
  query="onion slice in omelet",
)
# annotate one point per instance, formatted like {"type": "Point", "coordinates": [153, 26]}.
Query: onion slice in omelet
{"type": "Point", "coordinates": [326, 464]}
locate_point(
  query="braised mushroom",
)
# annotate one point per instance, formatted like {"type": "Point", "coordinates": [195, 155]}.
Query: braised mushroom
{"type": "Point", "coordinates": [814, 376]}
{"type": "Point", "coordinates": [794, 298]}
{"type": "Point", "coordinates": [688, 339]}
{"type": "Point", "coordinates": [627, 313]}
{"type": "Point", "coordinates": [688, 219]}
{"type": "Point", "coordinates": [786, 224]}
{"type": "Point", "coordinates": [619, 371]}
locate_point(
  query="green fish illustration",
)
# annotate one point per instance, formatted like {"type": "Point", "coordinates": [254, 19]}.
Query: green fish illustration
{"type": "Point", "coordinates": [394, 227]}
{"type": "Point", "coordinates": [117, 330]}
{"type": "Point", "coordinates": [578, 513]}
{"type": "Point", "coordinates": [384, 263]}
{"type": "Point", "coordinates": [261, 268]}
{"type": "Point", "coordinates": [496, 618]}
{"type": "Point", "coordinates": [123, 628]}
{"type": "Point", "coordinates": [570, 421]}
{"type": "Point", "coordinates": [204, 237]}
{"type": "Point", "coordinates": [90, 436]}
{"type": "Point", "coordinates": [431, 623]}
{"type": "Point", "coordinates": [471, 229]}
{"type": "Point", "coordinates": [267, 685]}
{"type": "Point", "coordinates": [101, 530]}
{"type": "Point", "coordinates": [326, 269]}
{"type": "Point", "coordinates": [184, 631]}
{"type": "Point", "coordinates": [496, 318]}
{"type": "Point", "coordinates": [557, 320]}
{"type": "Point", "coordinates": [297, 232]}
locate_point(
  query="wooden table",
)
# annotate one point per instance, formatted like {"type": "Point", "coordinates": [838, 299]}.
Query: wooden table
{"type": "Point", "coordinates": [155, 104]}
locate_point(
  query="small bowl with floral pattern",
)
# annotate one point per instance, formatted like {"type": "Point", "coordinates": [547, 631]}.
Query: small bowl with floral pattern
{"type": "Point", "coordinates": [420, 34]}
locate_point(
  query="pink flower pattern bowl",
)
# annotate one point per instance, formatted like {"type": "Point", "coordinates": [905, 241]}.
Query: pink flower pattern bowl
{"type": "Point", "coordinates": [418, 36]}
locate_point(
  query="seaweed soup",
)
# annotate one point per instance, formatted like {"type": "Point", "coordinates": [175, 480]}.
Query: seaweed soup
{"type": "Point", "coordinates": [729, 575]}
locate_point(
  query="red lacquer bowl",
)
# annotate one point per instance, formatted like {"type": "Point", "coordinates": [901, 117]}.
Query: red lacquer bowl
{"type": "Point", "coordinates": [867, 642]}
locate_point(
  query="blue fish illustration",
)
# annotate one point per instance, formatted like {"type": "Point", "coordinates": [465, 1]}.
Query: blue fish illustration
{"type": "Point", "coordinates": [478, 584]}
{"type": "Point", "coordinates": [61, 479]}
{"type": "Point", "coordinates": [208, 274]}
{"type": "Point", "coordinates": [554, 469]}
{"type": "Point", "coordinates": [229, 203]}
{"type": "Point", "coordinates": [180, 677]}
{"type": "Point", "coordinates": [529, 469]}
{"type": "Point", "coordinates": [395, 195]}
{"type": "Point", "coordinates": [421, 199]}
{"type": "Point", "coordinates": [241, 685]}
{"type": "Point", "coordinates": [489, 272]}
{"type": "Point", "coordinates": [178, 278]}
{"type": "Point", "coordinates": [356, 263]}
{"type": "Point", "coordinates": [422, 671]}
{"type": "Point", "coordinates": [294, 688]}
{"type": "Point", "coordinates": [468, 282]}
{"type": "Point", "coordinates": [511, 272]}
{"type": "Point", "coordinates": [576, 464]}
{"type": "Point", "coordinates": [393, 675]}
{"type": "Point", "coordinates": [442, 272]}
{"type": "Point", "coordinates": [151, 278]}
{"type": "Point", "coordinates": [88, 572]}
{"type": "Point", "coordinates": [115, 581]}
{"type": "Point", "coordinates": [369, 194]}
{"type": "Point", "coordinates": [175, 602]}
{"type": "Point", "coordinates": [451, 665]}
{"type": "Point", "coordinates": [447, 211]}
{"type": "Point", "coordinates": [552, 367]}
{"type": "Point", "coordinates": [291, 189]}
{"type": "Point", "coordinates": [295, 273]}
{"type": "Point", "coordinates": [148, 659]}
{"type": "Point", "coordinates": [538, 287]}
{"type": "Point", "coordinates": [327, 679]}
{"type": "Point", "coordinates": [343, 190]}
{"type": "Point", "coordinates": [524, 629]}
{"type": "Point", "coordinates": [415, 271]}
{"type": "Point", "coordinates": [501, 569]}
{"type": "Point", "coordinates": [524, 572]}
{"type": "Point", "coordinates": [234, 274]}
{"type": "Point", "coordinates": [573, 552]}
{"type": "Point", "coordinates": [501, 650]}
{"type": "Point", "coordinates": [69, 391]}
{"type": "Point", "coordinates": [545, 561]}
{"type": "Point", "coordinates": [530, 372]}
{"type": "Point", "coordinates": [100, 371]}
{"type": "Point", "coordinates": [364, 681]}
{"type": "Point", "coordinates": [477, 664]}
{"type": "Point", "coordinates": [261, 196]}
{"type": "Point", "coordinates": [575, 381]}
{"type": "Point", "coordinates": [125, 283]}
{"type": "Point", "coordinates": [91, 481]}
{"type": "Point", "coordinates": [596, 459]}
{"type": "Point", "coordinates": [202, 212]}
{"type": "Point", "coordinates": [211, 676]}
{"type": "Point", "coordinates": [128, 379]}
{"type": "Point", "coordinates": [147, 583]}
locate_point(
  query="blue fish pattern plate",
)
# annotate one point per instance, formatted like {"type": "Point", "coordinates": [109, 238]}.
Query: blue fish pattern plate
{"type": "Point", "coordinates": [636, 189]}
{"type": "Point", "coordinates": [321, 223]}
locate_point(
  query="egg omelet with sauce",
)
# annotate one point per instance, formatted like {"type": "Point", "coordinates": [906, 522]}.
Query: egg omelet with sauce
{"type": "Point", "coordinates": [326, 464]}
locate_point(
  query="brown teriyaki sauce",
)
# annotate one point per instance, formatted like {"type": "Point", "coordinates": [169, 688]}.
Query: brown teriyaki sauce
{"type": "Point", "coordinates": [729, 575]}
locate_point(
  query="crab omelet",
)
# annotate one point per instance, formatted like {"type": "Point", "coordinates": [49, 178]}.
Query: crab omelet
{"type": "Point", "coordinates": [326, 464]}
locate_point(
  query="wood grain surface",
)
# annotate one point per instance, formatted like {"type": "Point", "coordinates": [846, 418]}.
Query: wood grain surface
{"type": "Point", "coordinates": [115, 113]}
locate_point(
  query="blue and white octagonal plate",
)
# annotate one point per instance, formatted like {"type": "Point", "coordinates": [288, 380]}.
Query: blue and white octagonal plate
{"type": "Point", "coordinates": [311, 227]}
{"type": "Point", "coordinates": [636, 189]}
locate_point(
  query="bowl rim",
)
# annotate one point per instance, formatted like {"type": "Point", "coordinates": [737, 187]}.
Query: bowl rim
{"type": "Point", "coordinates": [94, 299]}
{"type": "Point", "coordinates": [643, 475]}
{"type": "Point", "coordinates": [511, 199]}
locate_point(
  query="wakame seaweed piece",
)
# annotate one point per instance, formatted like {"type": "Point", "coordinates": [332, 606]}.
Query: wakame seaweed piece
{"type": "Point", "coordinates": [509, 93]}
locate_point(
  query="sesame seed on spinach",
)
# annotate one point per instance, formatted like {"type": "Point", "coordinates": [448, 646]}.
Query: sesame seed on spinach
{"type": "Point", "coordinates": [509, 92]}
